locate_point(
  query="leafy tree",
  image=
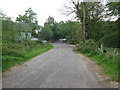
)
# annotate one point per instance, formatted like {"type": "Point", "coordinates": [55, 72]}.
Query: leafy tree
{"type": "Point", "coordinates": [30, 18]}
{"type": "Point", "coordinates": [46, 32]}
{"type": "Point", "coordinates": [54, 27]}
{"type": "Point", "coordinates": [50, 21]}
{"type": "Point", "coordinates": [111, 28]}
{"type": "Point", "coordinates": [88, 13]}
{"type": "Point", "coordinates": [70, 30]}
{"type": "Point", "coordinates": [4, 17]}
{"type": "Point", "coordinates": [113, 8]}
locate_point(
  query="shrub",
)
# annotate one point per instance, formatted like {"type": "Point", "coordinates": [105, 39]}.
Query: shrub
{"type": "Point", "coordinates": [87, 47]}
{"type": "Point", "coordinates": [39, 41]}
{"type": "Point", "coordinates": [16, 48]}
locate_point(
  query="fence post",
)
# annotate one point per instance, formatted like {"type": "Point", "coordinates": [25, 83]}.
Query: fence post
{"type": "Point", "coordinates": [101, 47]}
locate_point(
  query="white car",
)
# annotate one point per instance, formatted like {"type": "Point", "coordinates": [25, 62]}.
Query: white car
{"type": "Point", "coordinates": [63, 39]}
{"type": "Point", "coordinates": [34, 39]}
{"type": "Point", "coordinates": [45, 41]}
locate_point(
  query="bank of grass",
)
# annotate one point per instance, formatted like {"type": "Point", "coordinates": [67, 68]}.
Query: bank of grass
{"type": "Point", "coordinates": [108, 61]}
{"type": "Point", "coordinates": [21, 53]}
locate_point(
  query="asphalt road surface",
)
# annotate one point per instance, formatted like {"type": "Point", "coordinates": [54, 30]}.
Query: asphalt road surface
{"type": "Point", "coordinates": [59, 67]}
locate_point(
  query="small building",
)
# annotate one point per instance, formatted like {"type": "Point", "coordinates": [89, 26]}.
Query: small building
{"type": "Point", "coordinates": [22, 32]}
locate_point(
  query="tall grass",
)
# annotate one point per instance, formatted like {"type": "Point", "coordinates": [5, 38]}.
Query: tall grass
{"type": "Point", "coordinates": [19, 53]}
{"type": "Point", "coordinates": [108, 61]}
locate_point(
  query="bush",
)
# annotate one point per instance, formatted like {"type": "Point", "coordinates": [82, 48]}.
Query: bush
{"type": "Point", "coordinates": [108, 61]}
{"type": "Point", "coordinates": [39, 41]}
{"type": "Point", "coordinates": [87, 47]}
{"type": "Point", "coordinates": [15, 48]}
{"type": "Point", "coordinates": [46, 33]}
{"type": "Point", "coordinates": [16, 53]}
{"type": "Point", "coordinates": [111, 40]}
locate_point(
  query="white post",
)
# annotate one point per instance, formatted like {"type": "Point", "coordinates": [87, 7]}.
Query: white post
{"type": "Point", "coordinates": [101, 47]}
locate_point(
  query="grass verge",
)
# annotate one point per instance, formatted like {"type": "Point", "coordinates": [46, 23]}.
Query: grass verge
{"type": "Point", "coordinates": [108, 64]}
{"type": "Point", "coordinates": [109, 61]}
{"type": "Point", "coordinates": [25, 54]}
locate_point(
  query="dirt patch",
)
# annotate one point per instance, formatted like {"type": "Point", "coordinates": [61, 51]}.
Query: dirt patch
{"type": "Point", "coordinates": [105, 81]}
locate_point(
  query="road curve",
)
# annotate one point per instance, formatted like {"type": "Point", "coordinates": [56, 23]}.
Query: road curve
{"type": "Point", "coordinates": [60, 67]}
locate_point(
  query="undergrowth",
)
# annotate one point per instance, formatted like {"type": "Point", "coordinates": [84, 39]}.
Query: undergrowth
{"type": "Point", "coordinates": [108, 61]}
{"type": "Point", "coordinates": [17, 53]}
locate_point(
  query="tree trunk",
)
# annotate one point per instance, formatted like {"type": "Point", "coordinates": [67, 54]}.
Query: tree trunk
{"type": "Point", "coordinates": [84, 22]}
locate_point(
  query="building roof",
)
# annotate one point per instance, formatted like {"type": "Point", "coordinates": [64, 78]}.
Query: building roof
{"type": "Point", "coordinates": [22, 27]}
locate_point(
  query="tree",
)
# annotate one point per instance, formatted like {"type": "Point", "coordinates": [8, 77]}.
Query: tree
{"type": "Point", "coordinates": [50, 21]}
{"type": "Point", "coordinates": [54, 27]}
{"type": "Point", "coordinates": [30, 18]}
{"type": "Point", "coordinates": [4, 17]}
{"type": "Point", "coordinates": [86, 12]}
{"type": "Point", "coordinates": [111, 26]}
{"type": "Point", "coordinates": [46, 32]}
{"type": "Point", "coordinates": [113, 8]}
{"type": "Point", "coordinates": [70, 30]}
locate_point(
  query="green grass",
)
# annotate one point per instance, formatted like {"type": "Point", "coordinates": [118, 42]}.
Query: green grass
{"type": "Point", "coordinates": [25, 54]}
{"type": "Point", "coordinates": [108, 63]}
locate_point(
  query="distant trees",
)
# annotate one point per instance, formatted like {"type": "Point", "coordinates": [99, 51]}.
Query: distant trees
{"type": "Point", "coordinates": [54, 31]}
{"type": "Point", "coordinates": [53, 26]}
{"type": "Point", "coordinates": [94, 22]}
{"type": "Point", "coordinates": [71, 31]}
{"type": "Point", "coordinates": [46, 33]}
{"type": "Point", "coordinates": [4, 17]}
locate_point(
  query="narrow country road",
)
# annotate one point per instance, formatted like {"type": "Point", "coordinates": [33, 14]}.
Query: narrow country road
{"type": "Point", "coordinates": [60, 67]}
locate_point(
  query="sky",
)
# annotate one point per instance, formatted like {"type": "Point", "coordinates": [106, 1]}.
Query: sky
{"type": "Point", "coordinates": [43, 8]}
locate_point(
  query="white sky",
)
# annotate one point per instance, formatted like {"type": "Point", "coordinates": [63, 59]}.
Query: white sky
{"type": "Point", "coordinates": [43, 8]}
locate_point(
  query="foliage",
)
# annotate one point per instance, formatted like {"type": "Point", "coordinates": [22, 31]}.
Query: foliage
{"type": "Point", "coordinates": [53, 26]}
{"type": "Point", "coordinates": [109, 34]}
{"type": "Point", "coordinates": [46, 32]}
{"type": "Point", "coordinates": [87, 46]}
{"type": "Point", "coordinates": [11, 30]}
{"type": "Point", "coordinates": [4, 16]}
{"type": "Point", "coordinates": [110, 40]}
{"type": "Point", "coordinates": [108, 61]}
{"type": "Point", "coordinates": [50, 21]}
{"type": "Point", "coordinates": [7, 31]}
{"type": "Point", "coordinates": [113, 7]}
{"type": "Point", "coordinates": [16, 53]}
{"type": "Point", "coordinates": [87, 12]}
{"type": "Point", "coordinates": [70, 30]}
{"type": "Point", "coordinates": [30, 18]}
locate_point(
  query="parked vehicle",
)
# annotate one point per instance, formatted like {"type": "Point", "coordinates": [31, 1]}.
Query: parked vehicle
{"type": "Point", "coordinates": [34, 39]}
{"type": "Point", "coordinates": [63, 40]}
